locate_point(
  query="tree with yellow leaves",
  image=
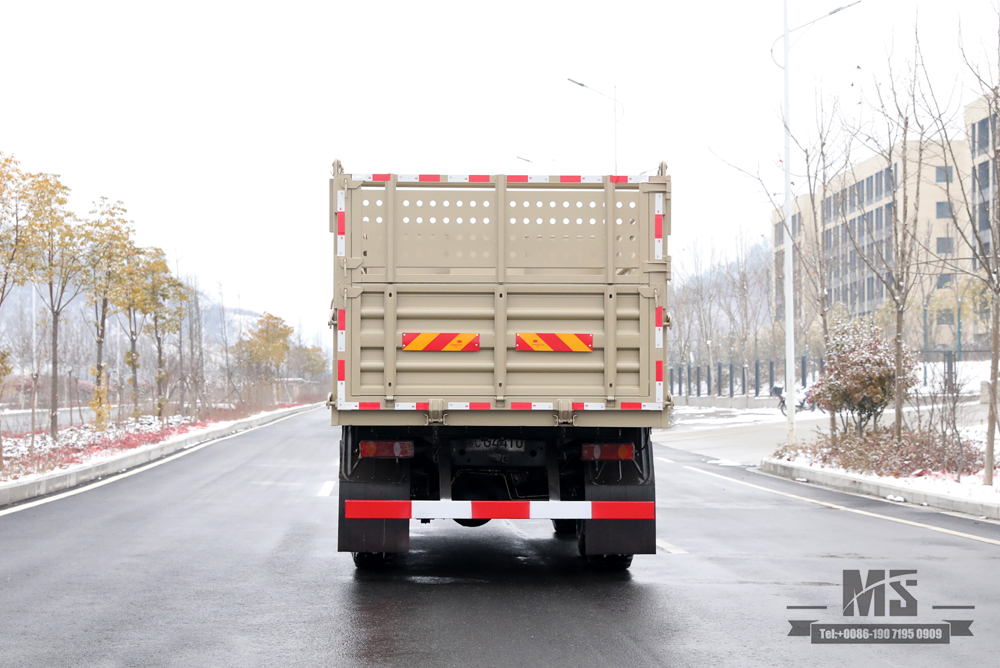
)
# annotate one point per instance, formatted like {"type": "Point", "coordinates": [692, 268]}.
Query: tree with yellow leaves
{"type": "Point", "coordinates": [167, 296]}
{"type": "Point", "coordinates": [13, 219]}
{"type": "Point", "coordinates": [131, 296]}
{"type": "Point", "coordinates": [266, 349]}
{"type": "Point", "coordinates": [55, 262]}
{"type": "Point", "coordinates": [108, 238]}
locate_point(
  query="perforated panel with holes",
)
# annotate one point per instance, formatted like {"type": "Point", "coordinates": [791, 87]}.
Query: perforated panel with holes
{"type": "Point", "coordinates": [441, 233]}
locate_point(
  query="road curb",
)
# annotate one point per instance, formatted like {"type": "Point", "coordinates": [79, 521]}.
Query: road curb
{"type": "Point", "coordinates": [846, 482]}
{"type": "Point", "coordinates": [15, 492]}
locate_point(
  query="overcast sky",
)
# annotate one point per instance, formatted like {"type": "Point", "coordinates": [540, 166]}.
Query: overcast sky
{"type": "Point", "coordinates": [216, 123]}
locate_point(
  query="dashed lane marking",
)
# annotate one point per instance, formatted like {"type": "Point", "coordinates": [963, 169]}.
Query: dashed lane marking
{"type": "Point", "coordinates": [327, 488]}
{"type": "Point", "coordinates": [667, 547]}
{"type": "Point", "coordinates": [664, 459]}
{"type": "Point", "coordinates": [834, 506]}
{"type": "Point", "coordinates": [145, 467]}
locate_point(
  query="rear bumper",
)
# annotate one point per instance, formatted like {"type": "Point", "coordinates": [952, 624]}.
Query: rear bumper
{"type": "Point", "coordinates": [500, 510]}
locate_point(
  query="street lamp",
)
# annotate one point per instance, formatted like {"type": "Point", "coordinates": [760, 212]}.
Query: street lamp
{"type": "Point", "coordinates": [613, 98]}
{"type": "Point", "coordinates": [790, 243]}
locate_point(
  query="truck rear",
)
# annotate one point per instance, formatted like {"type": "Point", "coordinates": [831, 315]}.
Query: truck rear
{"type": "Point", "coordinates": [499, 355]}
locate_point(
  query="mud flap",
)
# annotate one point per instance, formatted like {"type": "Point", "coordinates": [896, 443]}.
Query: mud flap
{"type": "Point", "coordinates": [620, 536]}
{"type": "Point", "coordinates": [375, 480]}
{"type": "Point", "coordinates": [631, 481]}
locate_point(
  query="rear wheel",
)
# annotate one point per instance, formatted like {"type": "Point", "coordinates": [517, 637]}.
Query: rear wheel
{"type": "Point", "coordinates": [368, 561]}
{"type": "Point", "coordinates": [610, 562]}
{"type": "Point", "coordinates": [564, 527]}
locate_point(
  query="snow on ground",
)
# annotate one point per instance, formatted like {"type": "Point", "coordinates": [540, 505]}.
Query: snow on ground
{"type": "Point", "coordinates": [80, 447]}
{"type": "Point", "coordinates": [970, 487]}
{"type": "Point", "coordinates": [696, 417]}
{"type": "Point", "coordinates": [969, 374]}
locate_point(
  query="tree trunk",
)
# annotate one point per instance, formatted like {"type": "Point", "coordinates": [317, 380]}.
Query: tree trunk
{"type": "Point", "coordinates": [897, 427]}
{"type": "Point", "coordinates": [160, 371]}
{"type": "Point", "coordinates": [99, 376]}
{"type": "Point", "coordinates": [991, 422]}
{"type": "Point", "coordinates": [54, 389]}
{"type": "Point", "coordinates": [134, 363]}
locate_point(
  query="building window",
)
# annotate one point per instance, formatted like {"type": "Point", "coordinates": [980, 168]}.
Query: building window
{"type": "Point", "coordinates": [946, 317]}
{"type": "Point", "coordinates": [871, 288]}
{"type": "Point", "coordinates": [943, 174]}
{"type": "Point", "coordinates": [826, 241]}
{"type": "Point", "coordinates": [828, 211]}
{"type": "Point", "coordinates": [868, 189]}
{"type": "Point", "coordinates": [878, 222]}
{"type": "Point", "coordinates": [943, 210]}
{"type": "Point", "coordinates": [852, 202]}
{"type": "Point", "coordinates": [981, 180]}
{"type": "Point", "coordinates": [887, 181]}
{"type": "Point", "coordinates": [779, 234]}
{"type": "Point", "coordinates": [984, 216]}
{"type": "Point", "coordinates": [945, 245]}
{"type": "Point", "coordinates": [943, 280]}
{"type": "Point", "coordinates": [878, 186]}
{"type": "Point", "coordinates": [983, 136]}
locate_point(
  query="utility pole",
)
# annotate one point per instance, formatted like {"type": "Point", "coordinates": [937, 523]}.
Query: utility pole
{"type": "Point", "coordinates": [789, 247]}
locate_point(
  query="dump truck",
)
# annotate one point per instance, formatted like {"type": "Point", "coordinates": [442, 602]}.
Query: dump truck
{"type": "Point", "coordinates": [499, 355]}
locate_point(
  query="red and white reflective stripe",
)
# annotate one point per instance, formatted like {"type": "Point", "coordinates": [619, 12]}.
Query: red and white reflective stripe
{"type": "Point", "coordinates": [341, 330]}
{"type": "Point", "coordinates": [658, 228]}
{"type": "Point", "coordinates": [413, 406]}
{"type": "Point", "coordinates": [371, 177]}
{"type": "Point", "coordinates": [527, 178]}
{"type": "Point", "coordinates": [642, 406]}
{"type": "Point", "coordinates": [469, 406]}
{"type": "Point", "coordinates": [569, 178]}
{"type": "Point", "coordinates": [588, 406]}
{"type": "Point", "coordinates": [531, 405]}
{"type": "Point", "coordinates": [659, 381]}
{"type": "Point", "coordinates": [627, 179]}
{"type": "Point", "coordinates": [659, 327]}
{"type": "Point", "coordinates": [355, 509]}
{"type": "Point", "coordinates": [468, 178]}
{"type": "Point", "coordinates": [341, 225]}
{"type": "Point", "coordinates": [341, 383]}
{"type": "Point", "coordinates": [419, 178]}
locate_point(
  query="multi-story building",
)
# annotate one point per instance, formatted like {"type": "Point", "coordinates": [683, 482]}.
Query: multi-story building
{"type": "Point", "coordinates": [859, 210]}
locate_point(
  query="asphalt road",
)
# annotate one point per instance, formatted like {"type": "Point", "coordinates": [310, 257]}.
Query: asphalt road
{"type": "Point", "coordinates": [227, 557]}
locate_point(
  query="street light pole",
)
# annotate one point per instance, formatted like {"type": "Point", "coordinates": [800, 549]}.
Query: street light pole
{"type": "Point", "coordinates": [789, 241]}
{"type": "Point", "coordinates": [788, 269]}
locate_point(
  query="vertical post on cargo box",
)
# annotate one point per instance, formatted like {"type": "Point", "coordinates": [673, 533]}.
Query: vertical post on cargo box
{"type": "Point", "coordinates": [500, 341]}
{"type": "Point", "coordinates": [610, 305]}
{"type": "Point", "coordinates": [609, 226]}
{"type": "Point", "coordinates": [501, 190]}
{"type": "Point", "coordinates": [390, 232]}
{"type": "Point", "coordinates": [389, 344]}
{"type": "Point", "coordinates": [610, 344]}
{"type": "Point", "coordinates": [500, 296]}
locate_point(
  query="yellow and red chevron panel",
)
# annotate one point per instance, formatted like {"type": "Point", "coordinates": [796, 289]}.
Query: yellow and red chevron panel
{"type": "Point", "coordinates": [441, 341]}
{"type": "Point", "coordinates": [561, 343]}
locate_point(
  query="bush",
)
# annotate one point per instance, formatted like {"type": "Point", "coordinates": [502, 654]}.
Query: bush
{"type": "Point", "coordinates": [877, 453]}
{"type": "Point", "coordinates": [859, 378]}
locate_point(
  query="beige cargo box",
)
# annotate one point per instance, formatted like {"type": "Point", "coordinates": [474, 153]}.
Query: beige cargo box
{"type": "Point", "coordinates": [500, 300]}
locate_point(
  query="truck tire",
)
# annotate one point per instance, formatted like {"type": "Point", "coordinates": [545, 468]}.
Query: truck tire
{"type": "Point", "coordinates": [610, 562]}
{"type": "Point", "coordinates": [564, 527]}
{"type": "Point", "coordinates": [370, 561]}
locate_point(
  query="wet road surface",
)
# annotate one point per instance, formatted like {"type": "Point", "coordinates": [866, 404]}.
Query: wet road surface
{"type": "Point", "coordinates": [227, 557]}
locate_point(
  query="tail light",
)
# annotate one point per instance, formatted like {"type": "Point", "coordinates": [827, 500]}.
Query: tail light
{"type": "Point", "coordinates": [386, 449]}
{"type": "Point", "coordinates": [595, 451]}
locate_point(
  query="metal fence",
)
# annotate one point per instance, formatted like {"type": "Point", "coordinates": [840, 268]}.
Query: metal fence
{"type": "Point", "coordinates": [731, 379]}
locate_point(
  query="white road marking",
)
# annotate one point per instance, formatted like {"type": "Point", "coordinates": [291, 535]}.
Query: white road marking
{"type": "Point", "coordinates": [145, 467]}
{"type": "Point", "coordinates": [664, 545]}
{"type": "Point", "coordinates": [327, 488]}
{"type": "Point", "coordinates": [852, 510]}
{"type": "Point", "coordinates": [664, 459]}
